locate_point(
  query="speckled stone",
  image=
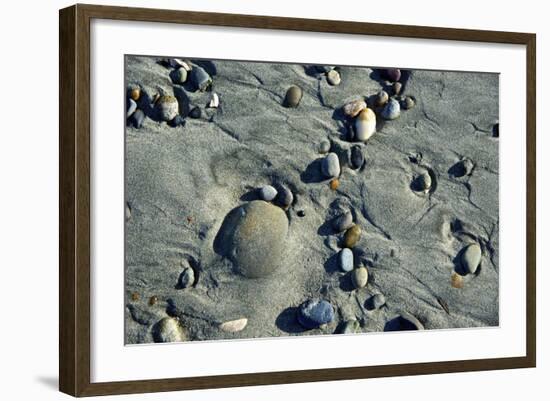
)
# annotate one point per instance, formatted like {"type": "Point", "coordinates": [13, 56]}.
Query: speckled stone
{"type": "Point", "coordinates": [391, 110]}
{"type": "Point", "coordinates": [293, 96]}
{"type": "Point", "coordinates": [333, 77]}
{"type": "Point", "coordinates": [330, 166]}
{"type": "Point", "coordinates": [345, 259]}
{"type": "Point", "coordinates": [360, 277]}
{"type": "Point", "coordinates": [315, 313]}
{"type": "Point", "coordinates": [168, 330]}
{"type": "Point", "coordinates": [352, 109]}
{"type": "Point", "coordinates": [408, 102]}
{"type": "Point", "coordinates": [268, 193]}
{"type": "Point", "coordinates": [167, 107]}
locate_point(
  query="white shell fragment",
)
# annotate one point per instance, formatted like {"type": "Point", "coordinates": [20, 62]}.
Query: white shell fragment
{"type": "Point", "coordinates": [365, 125]}
{"type": "Point", "coordinates": [234, 326]}
{"type": "Point", "coordinates": [214, 101]}
{"type": "Point", "coordinates": [176, 63]}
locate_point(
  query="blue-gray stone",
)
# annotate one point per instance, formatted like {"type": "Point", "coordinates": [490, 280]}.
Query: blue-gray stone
{"type": "Point", "coordinates": [132, 106]}
{"type": "Point", "coordinates": [137, 118]}
{"type": "Point", "coordinates": [200, 78]}
{"type": "Point", "coordinates": [177, 121]}
{"type": "Point", "coordinates": [315, 313]}
{"type": "Point", "coordinates": [330, 166]}
{"type": "Point", "coordinates": [345, 257]}
{"type": "Point", "coordinates": [391, 110]}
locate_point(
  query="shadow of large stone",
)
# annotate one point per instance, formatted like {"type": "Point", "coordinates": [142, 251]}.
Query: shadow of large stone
{"type": "Point", "coordinates": [253, 237]}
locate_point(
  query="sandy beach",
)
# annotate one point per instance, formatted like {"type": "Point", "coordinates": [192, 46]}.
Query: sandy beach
{"type": "Point", "coordinates": [211, 255]}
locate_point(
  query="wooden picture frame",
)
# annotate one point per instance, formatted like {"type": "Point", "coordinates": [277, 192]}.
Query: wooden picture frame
{"type": "Point", "coordinates": [74, 199]}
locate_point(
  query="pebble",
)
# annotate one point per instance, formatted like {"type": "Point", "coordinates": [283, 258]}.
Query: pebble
{"type": "Point", "coordinates": [352, 109]}
{"type": "Point", "coordinates": [177, 121]}
{"type": "Point", "coordinates": [324, 68]}
{"type": "Point", "coordinates": [167, 107]}
{"type": "Point", "coordinates": [153, 300]}
{"type": "Point", "coordinates": [467, 165]}
{"type": "Point", "coordinates": [168, 330]}
{"type": "Point", "coordinates": [293, 96]}
{"type": "Point", "coordinates": [342, 222]}
{"type": "Point", "coordinates": [253, 237]}
{"type": "Point", "coordinates": [377, 301]}
{"type": "Point", "coordinates": [408, 103]}
{"type": "Point", "coordinates": [381, 98]}
{"type": "Point", "coordinates": [195, 112]}
{"type": "Point", "coordinates": [360, 277]}
{"type": "Point", "coordinates": [137, 118]}
{"type": "Point", "coordinates": [176, 63]}
{"type": "Point", "coordinates": [200, 78]}
{"type": "Point", "coordinates": [345, 258]}
{"type": "Point", "coordinates": [324, 146]}
{"type": "Point", "coordinates": [391, 110]}
{"type": "Point", "coordinates": [351, 327]}
{"type": "Point", "coordinates": [135, 93]}
{"type": "Point", "coordinates": [330, 166]}
{"type": "Point", "coordinates": [357, 158]}
{"type": "Point", "coordinates": [496, 130]}
{"type": "Point", "coordinates": [284, 197]}
{"type": "Point", "coordinates": [456, 280]}
{"type": "Point", "coordinates": [397, 86]}
{"type": "Point", "coordinates": [128, 212]}
{"type": "Point", "coordinates": [365, 125]}
{"type": "Point", "coordinates": [424, 182]}
{"type": "Point", "coordinates": [187, 277]}
{"type": "Point", "coordinates": [471, 258]}
{"type": "Point", "coordinates": [334, 184]}
{"type": "Point", "coordinates": [409, 322]}
{"type": "Point", "coordinates": [268, 193]}
{"type": "Point", "coordinates": [180, 75]}
{"type": "Point", "coordinates": [315, 313]}
{"type": "Point", "coordinates": [214, 101]}
{"type": "Point", "coordinates": [234, 326]}
{"type": "Point", "coordinates": [132, 106]}
{"type": "Point", "coordinates": [392, 74]}
{"type": "Point", "coordinates": [352, 236]}
{"type": "Point", "coordinates": [333, 77]}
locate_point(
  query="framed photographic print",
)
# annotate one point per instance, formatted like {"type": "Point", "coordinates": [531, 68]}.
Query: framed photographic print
{"type": "Point", "coordinates": [250, 200]}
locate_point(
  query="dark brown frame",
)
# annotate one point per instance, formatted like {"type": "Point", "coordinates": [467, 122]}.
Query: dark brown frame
{"type": "Point", "coordinates": [74, 199]}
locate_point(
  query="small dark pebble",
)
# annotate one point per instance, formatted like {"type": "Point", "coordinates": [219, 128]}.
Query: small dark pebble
{"type": "Point", "coordinates": [301, 213]}
{"type": "Point", "coordinates": [284, 197]}
{"type": "Point", "coordinates": [495, 130]}
{"type": "Point", "coordinates": [392, 74]}
{"type": "Point", "coordinates": [177, 121]}
{"type": "Point", "coordinates": [356, 157]}
{"type": "Point", "coordinates": [137, 118]}
{"type": "Point", "coordinates": [195, 113]}
{"type": "Point", "coordinates": [153, 300]}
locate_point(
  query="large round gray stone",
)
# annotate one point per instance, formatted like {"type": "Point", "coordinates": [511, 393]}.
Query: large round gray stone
{"type": "Point", "coordinates": [253, 238]}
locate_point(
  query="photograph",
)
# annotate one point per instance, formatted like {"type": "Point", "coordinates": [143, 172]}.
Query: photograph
{"type": "Point", "coordinates": [269, 199]}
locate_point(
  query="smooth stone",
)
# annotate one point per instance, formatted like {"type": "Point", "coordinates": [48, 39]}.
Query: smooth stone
{"type": "Point", "coordinates": [342, 222]}
{"type": "Point", "coordinates": [268, 193]}
{"type": "Point", "coordinates": [365, 125]}
{"type": "Point", "coordinates": [391, 110]}
{"type": "Point", "coordinates": [377, 301]}
{"type": "Point", "coordinates": [180, 75]}
{"type": "Point", "coordinates": [167, 107]}
{"type": "Point", "coordinates": [177, 121]}
{"type": "Point", "coordinates": [356, 158]}
{"type": "Point", "coordinates": [324, 146]}
{"type": "Point", "coordinates": [352, 236]}
{"type": "Point", "coordinates": [352, 109]}
{"type": "Point", "coordinates": [351, 327]}
{"type": "Point", "coordinates": [345, 258]}
{"type": "Point", "coordinates": [135, 93]}
{"type": "Point", "coordinates": [471, 258]}
{"type": "Point", "coordinates": [168, 330]}
{"type": "Point", "coordinates": [315, 313]}
{"type": "Point", "coordinates": [392, 74]}
{"type": "Point", "coordinates": [200, 78]}
{"type": "Point", "coordinates": [408, 103]}
{"type": "Point", "coordinates": [196, 112]}
{"type": "Point", "coordinates": [424, 182]}
{"type": "Point", "coordinates": [284, 197]}
{"type": "Point", "coordinates": [409, 322]}
{"type": "Point", "coordinates": [333, 77]}
{"type": "Point", "coordinates": [381, 98]}
{"type": "Point", "coordinates": [234, 326]}
{"type": "Point", "coordinates": [467, 166]}
{"type": "Point", "coordinates": [253, 236]}
{"type": "Point", "coordinates": [132, 107]}
{"type": "Point", "coordinates": [293, 96]}
{"type": "Point", "coordinates": [187, 278]}
{"type": "Point", "coordinates": [330, 166]}
{"type": "Point", "coordinates": [397, 86]}
{"type": "Point", "coordinates": [137, 118]}
{"type": "Point", "coordinates": [360, 277]}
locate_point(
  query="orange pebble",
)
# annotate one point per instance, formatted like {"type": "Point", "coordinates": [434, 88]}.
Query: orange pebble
{"type": "Point", "coordinates": [153, 300]}
{"type": "Point", "coordinates": [135, 93]}
{"type": "Point", "coordinates": [456, 280]}
{"type": "Point", "coordinates": [135, 296]}
{"type": "Point", "coordinates": [334, 184]}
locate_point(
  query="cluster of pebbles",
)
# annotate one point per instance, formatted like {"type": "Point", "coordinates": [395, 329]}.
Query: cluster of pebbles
{"type": "Point", "coordinates": [253, 235]}
{"type": "Point", "coordinates": [165, 107]}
